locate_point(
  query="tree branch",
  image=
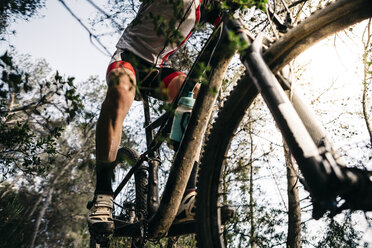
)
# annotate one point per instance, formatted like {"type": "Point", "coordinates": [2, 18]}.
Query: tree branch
{"type": "Point", "coordinates": [366, 74]}
{"type": "Point", "coordinates": [91, 35]}
{"type": "Point", "coordinates": [105, 14]}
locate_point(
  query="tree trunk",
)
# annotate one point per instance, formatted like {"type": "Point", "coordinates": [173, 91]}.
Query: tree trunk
{"type": "Point", "coordinates": [294, 210]}
{"type": "Point", "coordinates": [252, 238]}
{"type": "Point", "coordinates": [366, 77]}
{"type": "Point", "coordinates": [50, 190]}
{"type": "Point", "coordinates": [41, 215]}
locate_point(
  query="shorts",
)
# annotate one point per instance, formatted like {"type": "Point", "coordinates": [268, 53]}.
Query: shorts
{"type": "Point", "coordinates": [151, 81]}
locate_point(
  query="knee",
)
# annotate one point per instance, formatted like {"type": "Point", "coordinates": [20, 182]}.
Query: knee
{"type": "Point", "coordinates": [174, 86]}
{"type": "Point", "coordinates": [121, 89]}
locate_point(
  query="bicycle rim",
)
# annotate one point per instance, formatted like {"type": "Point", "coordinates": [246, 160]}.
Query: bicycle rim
{"type": "Point", "coordinates": [212, 191]}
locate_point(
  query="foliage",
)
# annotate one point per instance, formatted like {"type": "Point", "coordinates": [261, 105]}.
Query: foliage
{"type": "Point", "coordinates": [186, 241]}
{"type": "Point", "coordinates": [64, 224]}
{"type": "Point", "coordinates": [340, 234]}
{"type": "Point", "coordinates": [243, 4]}
{"type": "Point", "coordinates": [257, 221]}
{"type": "Point", "coordinates": [33, 112]}
{"type": "Point", "coordinates": [45, 129]}
{"type": "Point", "coordinates": [11, 10]}
{"type": "Point", "coordinates": [14, 217]}
{"type": "Point", "coordinates": [65, 221]}
{"type": "Point", "coordinates": [43, 123]}
{"type": "Point", "coordinates": [49, 209]}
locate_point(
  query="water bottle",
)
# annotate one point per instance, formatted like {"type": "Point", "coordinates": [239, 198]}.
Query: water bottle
{"type": "Point", "coordinates": [181, 119]}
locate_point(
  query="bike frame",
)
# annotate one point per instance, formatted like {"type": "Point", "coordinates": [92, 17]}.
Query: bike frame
{"type": "Point", "coordinates": [303, 140]}
{"type": "Point", "coordinates": [161, 214]}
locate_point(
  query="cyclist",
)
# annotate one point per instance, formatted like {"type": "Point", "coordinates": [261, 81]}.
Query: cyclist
{"type": "Point", "coordinates": [140, 65]}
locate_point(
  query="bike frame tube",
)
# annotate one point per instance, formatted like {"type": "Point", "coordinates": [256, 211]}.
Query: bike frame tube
{"type": "Point", "coordinates": [188, 150]}
{"type": "Point", "coordinates": [165, 121]}
{"type": "Point", "coordinates": [278, 102]}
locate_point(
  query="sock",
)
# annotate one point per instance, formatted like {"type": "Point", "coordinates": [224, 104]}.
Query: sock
{"type": "Point", "coordinates": [105, 172]}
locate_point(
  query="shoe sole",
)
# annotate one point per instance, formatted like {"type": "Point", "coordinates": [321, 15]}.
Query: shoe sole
{"type": "Point", "coordinates": [102, 228]}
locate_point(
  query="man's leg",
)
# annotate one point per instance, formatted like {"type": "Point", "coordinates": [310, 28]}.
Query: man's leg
{"type": "Point", "coordinates": [119, 98]}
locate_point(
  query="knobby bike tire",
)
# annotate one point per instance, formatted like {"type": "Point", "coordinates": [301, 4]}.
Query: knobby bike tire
{"type": "Point", "coordinates": [321, 24]}
{"type": "Point", "coordinates": [141, 183]}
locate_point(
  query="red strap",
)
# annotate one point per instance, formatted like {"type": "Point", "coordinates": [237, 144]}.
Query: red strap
{"type": "Point", "coordinates": [197, 13]}
{"type": "Point", "coordinates": [120, 64]}
{"type": "Point", "coordinates": [217, 21]}
{"type": "Point", "coordinates": [169, 78]}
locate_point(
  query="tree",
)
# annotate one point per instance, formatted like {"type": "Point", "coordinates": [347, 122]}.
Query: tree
{"type": "Point", "coordinates": [54, 166]}
{"type": "Point", "coordinates": [15, 205]}
{"type": "Point", "coordinates": [11, 10]}
{"type": "Point", "coordinates": [294, 209]}
{"type": "Point", "coordinates": [367, 76]}
{"type": "Point", "coordinates": [340, 234]}
{"type": "Point", "coordinates": [33, 112]}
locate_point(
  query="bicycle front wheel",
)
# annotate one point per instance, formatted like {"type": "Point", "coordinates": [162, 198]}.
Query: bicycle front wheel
{"type": "Point", "coordinates": [215, 190]}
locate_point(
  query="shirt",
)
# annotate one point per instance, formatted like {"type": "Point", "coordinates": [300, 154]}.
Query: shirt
{"type": "Point", "coordinates": [142, 39]}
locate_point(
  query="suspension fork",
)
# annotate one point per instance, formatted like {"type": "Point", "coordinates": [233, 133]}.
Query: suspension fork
{"type": "Point", "coordinates": [325, 175]}
{"type": "Point", "coordinates": [304, 146]}
{"type": "Point", "coordinates": [313, 126]}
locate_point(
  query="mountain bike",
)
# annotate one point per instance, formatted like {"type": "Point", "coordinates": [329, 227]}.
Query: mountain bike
{"type": "Point", "coordinates": [333, 186]}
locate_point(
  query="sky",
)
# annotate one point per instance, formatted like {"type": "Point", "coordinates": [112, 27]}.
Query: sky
{"type": "Point", "coordinates": [57, 37]}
